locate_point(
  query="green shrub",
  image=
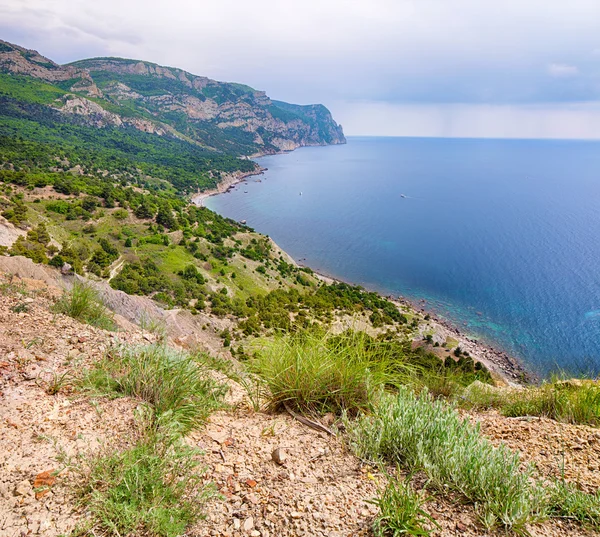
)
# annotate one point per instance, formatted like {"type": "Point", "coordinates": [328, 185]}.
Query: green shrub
{"type": "Point", "coordinates": [422, 434]}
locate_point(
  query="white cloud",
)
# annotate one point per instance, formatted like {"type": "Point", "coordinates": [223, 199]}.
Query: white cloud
{"type": "Point", "coordinates": [562, 70]}
{"type": "Point", "coordinates": [396, 52]}
{"type": "Point", "coordinates": [571, 121]}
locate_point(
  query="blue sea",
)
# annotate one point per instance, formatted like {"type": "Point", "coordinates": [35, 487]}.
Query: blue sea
{"type": "Point", "coordinates": [500, 237]}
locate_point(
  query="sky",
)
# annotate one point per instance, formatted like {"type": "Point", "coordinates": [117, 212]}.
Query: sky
{"type": "Point", "coordinates": [464, 68]}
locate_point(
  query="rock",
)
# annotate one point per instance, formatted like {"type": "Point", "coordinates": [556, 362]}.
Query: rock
{"type": "Point", "coordinates": [23, 488]}
{"type": "Point", "coordinates": [248, 524]}
{"type": "Point", "coordinates": [278, 455]}
{"type": "Point", "coordinates": [66, 269]}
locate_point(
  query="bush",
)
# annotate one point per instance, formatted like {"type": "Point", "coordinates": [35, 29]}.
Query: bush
{"type": "Point", "coordinates": [422, 434]}
{"type": "Point", "coordinates": [314, 371]}
{"type": "Point", "coordinates": [83, 303]}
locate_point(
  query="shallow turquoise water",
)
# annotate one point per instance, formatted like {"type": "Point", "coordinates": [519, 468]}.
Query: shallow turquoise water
{"type": "Point", "coordinates": [500, 236]}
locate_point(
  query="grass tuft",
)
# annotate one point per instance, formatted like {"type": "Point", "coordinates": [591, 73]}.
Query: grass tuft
{"type": "Point", "coordinates": [401, 511]}
{"type": "Point", "coordinates": [154, 487]}
{"type": "Point", "coordinates": [317, 372]}
{"type": "Point", "coordinates": [83, 303]}
{"type": "Point", "coordinates": [175, 384]}
{"type": "Point", "coordinates": [568, 401]}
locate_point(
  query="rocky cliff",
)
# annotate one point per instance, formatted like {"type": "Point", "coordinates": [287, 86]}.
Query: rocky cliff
{"type": "Point", "coordinates": [228, 117]}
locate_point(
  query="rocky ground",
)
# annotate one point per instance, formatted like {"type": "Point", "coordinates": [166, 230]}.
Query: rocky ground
{"type": "Point", "coordinates": [276, 476]}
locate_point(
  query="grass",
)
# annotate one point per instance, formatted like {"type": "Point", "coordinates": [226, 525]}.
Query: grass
{"type": "Point", "coordinates": [401, 511]}
{"type": "Point", "coordinates": [566, 501]}
{"type": "Point", "coordinates": [174, 384]}
{"type": "Point", "coordinates": [571, 401]}
{"type": "Point", "coordinates": [422, 434]}
{"type": "Point", "coordinates": [317, 372]}
{"type": "Point", "coordinates": [83, 303]}
{"type": "Point", "coordinates": [154, 487]}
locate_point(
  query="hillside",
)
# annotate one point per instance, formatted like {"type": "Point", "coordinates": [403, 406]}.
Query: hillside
{"type": "Point", "coordinates": [69, 473]}
{"type": "Point", "coordinates": [166, 371]}
{"type": "Point", "coordinates": [228, 117]}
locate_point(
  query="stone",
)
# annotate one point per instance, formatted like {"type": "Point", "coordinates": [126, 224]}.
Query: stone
{"type": "Point", "coordinates": [248, 524]}
{"type": "Point", "coordinates": [278, 455]}
{"type": "Point", "coordinates": [23, 488]}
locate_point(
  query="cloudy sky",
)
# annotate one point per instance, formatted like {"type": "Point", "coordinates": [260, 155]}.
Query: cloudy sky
{"type": "Point", "coordinates": [510, 68]}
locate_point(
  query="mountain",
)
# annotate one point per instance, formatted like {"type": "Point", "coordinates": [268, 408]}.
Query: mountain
{"type": "Point", "coordinates": [227, 117]}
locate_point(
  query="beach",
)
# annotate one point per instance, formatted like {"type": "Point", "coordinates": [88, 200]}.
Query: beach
{"type": "Point", "coordinates": [225, 184]}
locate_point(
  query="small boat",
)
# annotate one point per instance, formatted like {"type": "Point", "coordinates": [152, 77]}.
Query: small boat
{"type": "Point", "coordinates": [301, 193]}
{"type": "Point", "coordinates": [245, 192]}
{"type": "Point", "coordinates": [402, 195]}
{"type": "Point", "coordinates": [242, 222]}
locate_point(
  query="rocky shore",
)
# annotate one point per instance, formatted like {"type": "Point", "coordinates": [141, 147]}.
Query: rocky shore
{"type": "Point", "coordinates": [506, 368]}
{"type": "Point", "coordinates": [228, 181]}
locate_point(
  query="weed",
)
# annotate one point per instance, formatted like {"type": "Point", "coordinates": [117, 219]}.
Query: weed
{"type": "Point", "coordinates": [153, 487]}
{"type": "Point", "coordinates": [83, 303]}
{"type": "Point", "coordinates": [154, 326]}
{"type": "Point", "coordinates": [577, 403]}
{"type": "Point", "coordinates": [428, 435]}
{"type": "Point", "coordinates": [57, 382]}
{"type": "Point", "coordinates": [566, 501]}
{"type": "Point", "coordinates": [315, 371]}
{"type": "Point", "coordinates": [401, 510]}
{"type": "Point", "coordinates": [175, 384]}
{"type": "Point", "coordinates": [570, 401]}
{"type": "Point", "coordinates": [21, 307]}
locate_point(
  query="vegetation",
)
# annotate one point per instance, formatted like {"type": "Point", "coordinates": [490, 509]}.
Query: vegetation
{"type": "Point", "coordinates": [422, 434]}
{"type": "Point", "coordinates": [83, 303]}
{"type": "Point", "coordinates": [313, 371]}
{"type": "Point", "coordinates": [401, 511]}
{"type": "Point", "coordinates": [569, 401]}
{"type": "Point", "coordinates": [175, 385]}
{"type": "Point", "coordinates": [155, 485]}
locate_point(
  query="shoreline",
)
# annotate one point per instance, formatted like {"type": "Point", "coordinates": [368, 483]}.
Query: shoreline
{"type": "Point", "coordinates": [505, 367]}
{"type": "Point", "coordinates": [227, 182]}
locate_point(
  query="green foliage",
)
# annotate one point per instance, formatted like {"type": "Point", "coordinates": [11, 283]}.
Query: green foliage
{"type": "Point", "coordinates": [565, 501]}
{"type": "Point", "coordinates": [313, 371]}
{"type": "Point", "coordinates": [153, 488]}
{"type": "Point", "coordinates": [176, 385]}
{"type": "Point", "coordinates": [34, 245]}
{"type": "Point", "coordinates": [401, 511]}
{"type": "Point", "coordinates": [422, 434]}
{"type": "Point", "coordinates": [83, 303]}
{"type": "Point", "coordinates": [32, 135]}
{"type": "Point", "coordinates": [571, 401]}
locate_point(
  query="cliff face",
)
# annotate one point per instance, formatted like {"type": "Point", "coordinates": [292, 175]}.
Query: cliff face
{"type": "Point", "coordinates": [229, 117]}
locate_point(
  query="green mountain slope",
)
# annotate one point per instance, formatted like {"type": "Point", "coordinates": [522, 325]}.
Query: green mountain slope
{"type": "Point", "coordinates": [222, 116]}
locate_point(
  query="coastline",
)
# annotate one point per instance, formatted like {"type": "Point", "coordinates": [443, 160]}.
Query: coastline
{"type": "Point", "coordinates": [503, 366]}
{"type": "Point", "coordinates": [227, 182]}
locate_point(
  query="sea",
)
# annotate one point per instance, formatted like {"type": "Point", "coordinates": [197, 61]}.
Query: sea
{"type": "Point", "coordinates": [501, 238]}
